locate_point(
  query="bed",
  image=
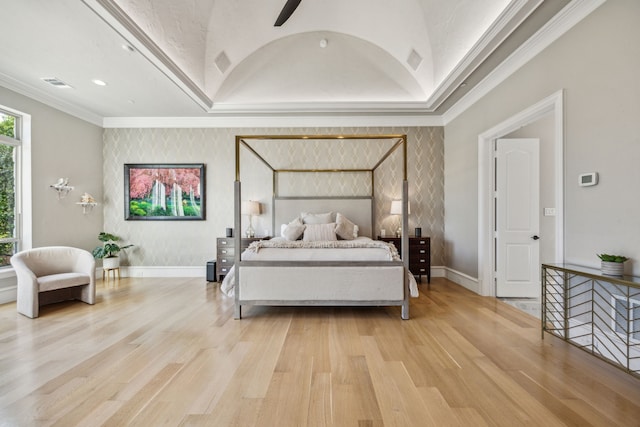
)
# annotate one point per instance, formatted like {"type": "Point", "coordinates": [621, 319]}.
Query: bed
{"type": "Point", "coordinates": [299, 271]}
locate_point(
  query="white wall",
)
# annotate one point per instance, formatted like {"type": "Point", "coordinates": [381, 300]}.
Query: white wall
{"type": "Point", "coordinates": [597, 63]}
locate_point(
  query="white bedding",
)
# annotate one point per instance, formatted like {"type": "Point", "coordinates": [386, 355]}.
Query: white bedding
{"type": "Point", "coordinates": [280, 249]}
{"type": "Point", "coordinates": [360, 249]}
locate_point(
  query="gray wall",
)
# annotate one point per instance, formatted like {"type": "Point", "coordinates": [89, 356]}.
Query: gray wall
{"type": "Point", "coordinates": [62, 146]}
{"type": "Point", "coordinates": [192, 243]}
{"type": "Point", "coordinates": [597, 63]}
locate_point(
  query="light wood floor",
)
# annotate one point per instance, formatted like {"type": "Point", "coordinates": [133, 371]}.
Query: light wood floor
{"type": "Point", "coordinates": [157, 352]}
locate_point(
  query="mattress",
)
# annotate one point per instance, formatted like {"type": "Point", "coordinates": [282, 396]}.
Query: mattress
{"type": "Point", "coordinates": [360, 249]}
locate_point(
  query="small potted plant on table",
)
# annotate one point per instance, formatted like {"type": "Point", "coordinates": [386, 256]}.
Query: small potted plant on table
{"type": "Point", "coordinates": [109, 252]}
{"type": "Point", "coordinates": [612, 265]}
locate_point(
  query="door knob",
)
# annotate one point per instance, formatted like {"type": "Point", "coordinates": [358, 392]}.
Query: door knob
{"type": "Point", "coordinates": [535, 237]}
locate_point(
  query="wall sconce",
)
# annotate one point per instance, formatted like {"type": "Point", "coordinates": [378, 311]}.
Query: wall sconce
{"type": "Point", "coordinates": [62, 187]}
{"type": "Point", "coordinates": [250, 208]}
{"type": "Point", "coordinates": [87, 202]}
{"type": "Point", "coordinates": [396, 209]}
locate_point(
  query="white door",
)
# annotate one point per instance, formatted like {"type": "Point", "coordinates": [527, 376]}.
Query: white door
{"type": "Point", "coordinates": [517, 218]}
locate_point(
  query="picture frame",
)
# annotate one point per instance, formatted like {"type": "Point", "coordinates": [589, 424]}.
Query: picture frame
{"type": "Point", "coordinates": [164, 192]}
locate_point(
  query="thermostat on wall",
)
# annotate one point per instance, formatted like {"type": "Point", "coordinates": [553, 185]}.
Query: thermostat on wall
{"type": "Point", "coordinates": [588, 179]}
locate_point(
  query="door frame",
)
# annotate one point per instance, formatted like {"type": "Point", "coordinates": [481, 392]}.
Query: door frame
{"type": "Point", "coordinates": [553, 104]}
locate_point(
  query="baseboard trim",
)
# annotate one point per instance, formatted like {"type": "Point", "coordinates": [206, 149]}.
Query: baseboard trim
{"type": "Point", "coordinates": [8, 294]}
{"type": "Point", "coordinates": [438, 271]}
{"type": "Point", "coordinates": [161, 271]}
{"type": "Point", "coordinates": [468, 282]}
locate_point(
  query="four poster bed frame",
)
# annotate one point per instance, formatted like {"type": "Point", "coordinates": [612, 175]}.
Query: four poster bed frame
{"type": "Point", "coordinates": [325, 283]}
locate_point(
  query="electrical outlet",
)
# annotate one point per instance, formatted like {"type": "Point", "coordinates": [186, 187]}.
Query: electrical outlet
{"type": "Point", "coordinates": [549, 211]}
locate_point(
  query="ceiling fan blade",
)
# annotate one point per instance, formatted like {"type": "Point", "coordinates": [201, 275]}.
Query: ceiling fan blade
{"type": "Point", "coordinates": [287, 11]}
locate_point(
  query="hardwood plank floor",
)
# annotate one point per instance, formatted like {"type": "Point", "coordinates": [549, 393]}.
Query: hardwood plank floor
{"type": "Point", "coordinates": [156, 352]}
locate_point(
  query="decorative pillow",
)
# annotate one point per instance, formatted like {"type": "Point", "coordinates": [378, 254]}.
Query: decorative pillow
{"type": "Point", "coordinates": [293, 230]}
{"type": "Point", "coordinates": [345, 229]}
{"type": "Point", "coordinates": [295, 221]}
{"type": "Point", "coordinates": [355, 231]}
{"type": "Point", "coordinates": [320, 232]}
{"type": "Point", "coordinates": [321, 218]}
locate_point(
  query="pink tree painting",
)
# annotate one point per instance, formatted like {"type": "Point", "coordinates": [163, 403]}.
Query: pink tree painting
{"type": "Point", "coordinates": [156, 192]}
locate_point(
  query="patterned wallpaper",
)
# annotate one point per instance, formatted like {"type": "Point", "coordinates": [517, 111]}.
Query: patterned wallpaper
{"type": "Point", "coordinates": [192, 243]}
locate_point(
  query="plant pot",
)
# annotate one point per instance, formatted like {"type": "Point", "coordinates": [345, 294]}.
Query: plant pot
{"type": "Point", "coordinates": [110, 263]}
{"type": "Point", "coordinates": [612, 268]}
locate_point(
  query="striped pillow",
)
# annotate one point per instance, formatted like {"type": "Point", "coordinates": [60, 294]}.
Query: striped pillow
{"type": "Point", "coordinates": [320, 232]}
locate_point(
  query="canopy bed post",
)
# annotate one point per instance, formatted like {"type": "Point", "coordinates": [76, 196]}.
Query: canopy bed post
{"type": "Point", "coordinates": [405, 245]}
{"type": "Point", "coordinates": [405, 228]}
{"type": "Point", "coordinates": [237, 225]}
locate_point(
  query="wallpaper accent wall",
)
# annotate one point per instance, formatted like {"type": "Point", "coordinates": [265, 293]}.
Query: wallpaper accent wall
{"type": "Point", "coordinates": [192, 243]}
{"type": "Point", "coordinates": [329, 184]}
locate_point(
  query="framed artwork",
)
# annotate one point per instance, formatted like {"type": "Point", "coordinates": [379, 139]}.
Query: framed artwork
{"type": "Point", "coordinates": [164, 192]}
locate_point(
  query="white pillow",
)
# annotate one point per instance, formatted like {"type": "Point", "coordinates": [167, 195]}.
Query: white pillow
{"type": "Point", "coordinates": [345, 229]}
{"type": "Point", "coordinates": [320, 232]}
{"type": "Point", "coordinates": [293, 230]}
{"type": "Point", "coordinates": [321, 218]}
{"type": "Point", "coordinates": [355, 231]}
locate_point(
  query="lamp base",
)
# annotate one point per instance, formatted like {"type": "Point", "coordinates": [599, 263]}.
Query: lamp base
{"type": "Point", "coordinates": [250, 232]}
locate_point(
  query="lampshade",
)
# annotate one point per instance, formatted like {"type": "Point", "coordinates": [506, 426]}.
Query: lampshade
{"type": "Point", "coordinates": [396, 207]}
{"type": "Point", "coordinates": [250, 207]}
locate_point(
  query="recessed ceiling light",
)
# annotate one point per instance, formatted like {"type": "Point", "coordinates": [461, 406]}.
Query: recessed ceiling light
{"type": "Point", "coordinates": [324, 43]}
{"type": "Point", "coordinates": [99, 82]}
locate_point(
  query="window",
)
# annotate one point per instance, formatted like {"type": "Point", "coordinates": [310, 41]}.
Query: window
{"type": "Point", "coordinates": [9, 146]}
{"type": "Point", "coordinates": [15, 184]}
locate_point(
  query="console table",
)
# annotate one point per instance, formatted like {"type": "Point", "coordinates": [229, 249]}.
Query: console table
{"type": "Point", "coordinates": [598, 313]}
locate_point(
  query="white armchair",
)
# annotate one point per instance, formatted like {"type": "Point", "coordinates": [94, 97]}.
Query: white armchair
{"type": "Point", "coordinates": [52, 274]}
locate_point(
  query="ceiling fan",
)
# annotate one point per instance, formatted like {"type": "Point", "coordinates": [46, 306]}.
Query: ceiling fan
{"type": "Point", "coordinates": [288, 9]}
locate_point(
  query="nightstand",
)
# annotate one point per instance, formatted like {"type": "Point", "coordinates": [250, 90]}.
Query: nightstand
{"type": "Point", "coordinates": [226, 253]}
{"type": "Point", "coordinates": [419, 254]}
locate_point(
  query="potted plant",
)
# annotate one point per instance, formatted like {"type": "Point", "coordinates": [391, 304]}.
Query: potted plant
{"type": "Point", "coordinates": [109, 251]}
{"type": "Point", "coordinates": [612, 265]}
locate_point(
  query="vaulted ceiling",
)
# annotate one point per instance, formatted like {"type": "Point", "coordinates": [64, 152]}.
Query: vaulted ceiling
{"type": "Point", "coordinates": [199, 58]}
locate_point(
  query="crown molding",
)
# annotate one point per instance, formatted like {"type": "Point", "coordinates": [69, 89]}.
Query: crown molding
{"type": "Point", "coordinates": [516, 12]}
{"type": "Point", "coordinates": [568, 17]}
{"type": "Point", "coordinates": [51, 101]}
{"type": "Point", "coordinates": [270, 121]}
{"type": "Point", "coordinates": [120, 22]}
{"type": "Point", "coordinates": [322, 108]}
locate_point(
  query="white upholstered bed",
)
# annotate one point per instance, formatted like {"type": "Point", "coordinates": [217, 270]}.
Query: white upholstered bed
{"type": "Point", "coordinates": [322, 273]}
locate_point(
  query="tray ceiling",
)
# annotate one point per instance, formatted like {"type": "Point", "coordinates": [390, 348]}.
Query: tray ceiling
{"type": "Point", "coordinates": [192, 58]}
